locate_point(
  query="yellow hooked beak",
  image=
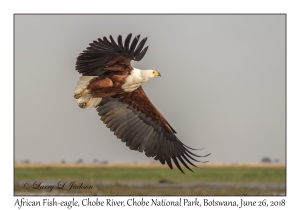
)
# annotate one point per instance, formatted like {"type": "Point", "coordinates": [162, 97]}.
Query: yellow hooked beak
{"type": "Point", "coordinates": [156, 73]}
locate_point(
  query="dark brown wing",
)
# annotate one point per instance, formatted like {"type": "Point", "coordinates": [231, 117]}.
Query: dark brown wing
{"type": "Point", "coordinates": [103, 56]}
{"type": "Point", "coordinates": [135, 120]}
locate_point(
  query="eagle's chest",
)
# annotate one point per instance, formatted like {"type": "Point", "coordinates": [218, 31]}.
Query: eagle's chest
{"type": "Point", "coordinates": [130, 86]}
{"type": "Point", "coordinates": [133, 81]}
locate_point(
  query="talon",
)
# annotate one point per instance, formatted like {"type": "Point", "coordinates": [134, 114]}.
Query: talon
{"type": "Point", "coordinates": [77, 96]}
{"type": "Point", "coordinates": [82, 105]}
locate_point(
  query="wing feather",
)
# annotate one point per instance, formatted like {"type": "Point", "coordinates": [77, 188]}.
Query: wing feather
{"type": "Point", "coordinates": [127, 41]}
{"type": "Point", "coordinates": [146, 137]}
{"type": "Point", "coordinates": [116, 121]}
{"type": "Point", "coordinates": [140, 47]}
{"type": "Point", "coordinates": [113, 115]}
{"type": "Point", "coordinates": [120, 42]}
{"type": "Point", "coordinates": [134, 43]}
{"type": "Point", "coordinates": [96, 59]}
{"type": "Point", "coordinates": [141, 54]}
{"type": "Point", "coordinates": [138, 137]}
{"type": "Point", "coordinates": [123, 125]}
{"type": "Point", "coordinates": [149, 144]}
{"type": "Point", "coordinates": [148, 133]}
{"type": "Point", "coordinates": [126, 128]}
{"type": "Point", "coordinates": [182, 161]}
{"type": "Point", "coordinates": [161, 150]}
{"type": "Point", "coordinates": [176, 163]}
{"type": "Point", "coordinates": [113, 43]}
{"type": "Point", "coordinates": [168, 152]}
{"type": "Point", "coordinates": [135, 131]}
{"type": "Point", "coordinates": [121, 120]}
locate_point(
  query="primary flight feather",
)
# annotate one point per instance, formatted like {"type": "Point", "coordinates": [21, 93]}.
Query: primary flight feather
{"type": "Point", "coordinates": [111, 85]}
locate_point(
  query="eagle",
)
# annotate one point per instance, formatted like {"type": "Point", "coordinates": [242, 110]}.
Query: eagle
{"type": "Point", "coordinates": [112, 85]}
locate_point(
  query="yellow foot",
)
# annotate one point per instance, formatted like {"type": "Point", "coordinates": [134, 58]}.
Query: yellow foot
{"type": "Point", "coordinates": [77, 96]}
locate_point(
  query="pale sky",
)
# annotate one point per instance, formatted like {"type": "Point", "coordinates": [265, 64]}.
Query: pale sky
{"type": "Point", "coordinates": [222, 86]}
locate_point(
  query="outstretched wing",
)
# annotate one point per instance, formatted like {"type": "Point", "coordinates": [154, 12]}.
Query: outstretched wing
{"type": "Point", "coordinates": [135, 120]}
{"type": "Point", "coordinates": [108, 56]}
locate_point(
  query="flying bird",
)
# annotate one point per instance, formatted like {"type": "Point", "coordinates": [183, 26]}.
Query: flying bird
{"type": "Point", "coordinates": [112, 85]}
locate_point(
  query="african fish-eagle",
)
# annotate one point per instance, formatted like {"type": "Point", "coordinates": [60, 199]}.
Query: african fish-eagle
{"type": "Point", "coordinates": [111, 85]}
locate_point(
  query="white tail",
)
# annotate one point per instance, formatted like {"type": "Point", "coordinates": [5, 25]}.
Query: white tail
{"type": "Point", "coordinates": [83, 96]}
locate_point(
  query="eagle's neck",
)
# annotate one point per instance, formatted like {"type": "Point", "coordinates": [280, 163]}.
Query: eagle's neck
{"type": "Point", "coordinates": [136, 78]}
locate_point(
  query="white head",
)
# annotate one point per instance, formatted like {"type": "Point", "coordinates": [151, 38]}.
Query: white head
{"type": "Point", "coordinates": [137, 77]}
{"type": "Point", "coordinates": [148, 74]}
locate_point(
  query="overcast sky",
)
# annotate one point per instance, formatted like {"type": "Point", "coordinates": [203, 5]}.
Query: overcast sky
{"type": "Point", "coordinates": [222, 86]}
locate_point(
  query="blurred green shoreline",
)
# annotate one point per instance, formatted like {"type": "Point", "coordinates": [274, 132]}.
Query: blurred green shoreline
{"type": "Point", "coordinates": [153, 179]}
{"type": "Point", "coordinates": [206, 173]}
